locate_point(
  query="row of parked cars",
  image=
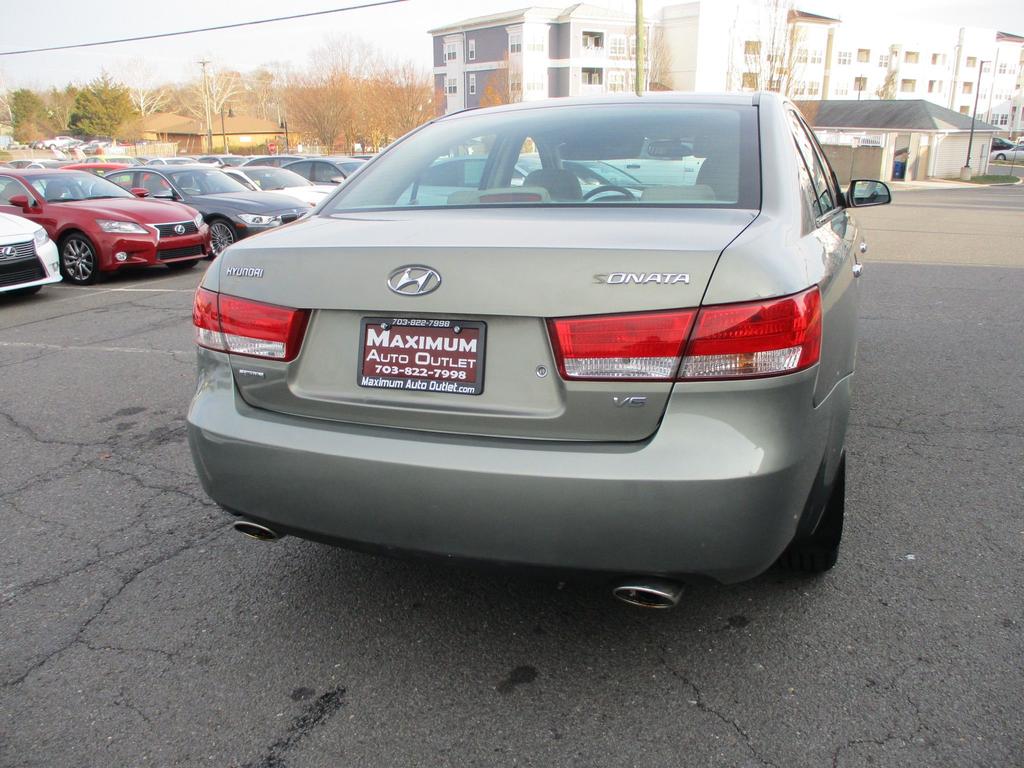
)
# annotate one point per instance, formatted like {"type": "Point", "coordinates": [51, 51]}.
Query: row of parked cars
{"type": "Point", "coordinates": [77, 221]}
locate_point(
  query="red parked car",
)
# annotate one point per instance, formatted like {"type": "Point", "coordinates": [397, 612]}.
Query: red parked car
{"type": "Point", "coordinates": [100, 227]}
{"type": "Point", "coordinates": [94, 167]}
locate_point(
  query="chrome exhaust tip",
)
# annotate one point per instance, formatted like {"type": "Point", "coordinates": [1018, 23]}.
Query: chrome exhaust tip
{"type": "Point", "coordinates": [649, 593]}
{"type": "Point", "coordinates": [255, 530]}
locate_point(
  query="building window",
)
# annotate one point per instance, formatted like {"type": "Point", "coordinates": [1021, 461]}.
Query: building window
{"type": "Point", "coordinates": [515, 83]}
{"type": "Point", "coordinates": [1002, 68]}
{"type": "Point", "coordinates": [752, 48]}
{"type": "Point", "coordinates": [472, 84]}
{"type": "Point", "coordinates": [860, 84]}
{"type": "Point", "coordinates": [617, 45]}
{"type": "Point", "coordinates": [972, 61]}
{"type": "Point", "coordinates": [800, 89]}
{"type": "Point", "coordinates": [883, 60]}
{"type": "Point", "coordinates": [965, 110]}
{"type": "Point", "coordinates": [1000, 119]}
{"type": "Point", "coordinates": [535, 85]}
{"type": "Point", "coordinates": [471, 51]}
{"type": "Point", "coordinates": [934, 86]}
{"type": "Point", "coordinates": [842, 90]}
{"type": "Point", "coordinates": [775, 85]}
{"type": "Point", "coordinates": [536, 42]}
{"type": "Point", "coordinates": [452, 86]}
{"type": "Point", "coordinates": [592, 75]}
{"type": "Point", "coordinates": [632, 46]}
{"type": "Point", "coordinates": [938, 58]}
{"type": "Point", "coordinates": [863, 55]}
{"type": "Point", "coordinates": [816, 57]}
{"type": "Point", "coordinates": [968, 87]}
{"type": "Point", "coordinates": [616, 82]}
{"type": "Point", "coordinates": [593, 41]}
{"type": "Point", "coordinates": [801, 55]}
{"type": "Point", "coordinates": [911, 57]}
{"type": "Point", "coordinates": [450, 52]}
{"type": "Point", "coordinates": [750, 81]}
{"type": "Point", "coordinates": [814, 88]}
{"type": "Point", "coordinates": [986, 66]}
{"type": "Point", "coordinates": [844, 58]}
{"type": "Point", "coordinates": [908, 86]}
{"type": "Point", "coordinates": [515, 43]}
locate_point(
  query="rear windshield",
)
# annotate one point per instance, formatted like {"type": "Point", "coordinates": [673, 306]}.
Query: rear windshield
{"type": "Point", "coordinates": [615, 154]}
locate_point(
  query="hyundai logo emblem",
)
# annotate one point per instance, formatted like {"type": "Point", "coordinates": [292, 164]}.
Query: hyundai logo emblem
{"type": "Point", "coordinates": [179, 229]}
{"type": "Point", "coordinates": [414, 280]}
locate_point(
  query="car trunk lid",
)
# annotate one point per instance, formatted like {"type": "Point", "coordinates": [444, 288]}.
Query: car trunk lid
{"type": "Point", "coordinates": [502, 274]}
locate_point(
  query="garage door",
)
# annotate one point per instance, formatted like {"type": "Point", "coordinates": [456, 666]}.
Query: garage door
{"type": "Point", "coordinates": [952, 152]}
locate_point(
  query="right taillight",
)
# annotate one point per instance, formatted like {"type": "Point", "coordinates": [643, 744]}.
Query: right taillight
{"type": "Point", "coordinates": [245, 327]}
{"type": "Point", "coordinates": [761, 338]}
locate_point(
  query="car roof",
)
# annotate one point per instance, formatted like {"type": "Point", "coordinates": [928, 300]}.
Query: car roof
{"type": "Point", "coordinates": [661, 97]}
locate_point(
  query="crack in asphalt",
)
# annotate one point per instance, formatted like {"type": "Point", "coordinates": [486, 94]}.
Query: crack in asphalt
{"type": "Point", "coordinates": [701, 704]}
{"type": "Point", "coordinates": [321, 710]}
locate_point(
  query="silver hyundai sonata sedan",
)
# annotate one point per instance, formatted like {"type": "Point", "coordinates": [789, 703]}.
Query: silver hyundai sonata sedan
{"type": "Point", "coordinates": [613, 336]}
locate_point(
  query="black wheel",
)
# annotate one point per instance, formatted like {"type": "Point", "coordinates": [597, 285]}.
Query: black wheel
{"type": "Point", "coordinates": [25, 291]}
{"type": "Point", "coordinates": [222, 234]}
{"type": "Point", "coordinates": [818, 552]}
{"type": "Point", "coordinates": [176, 265]}
{"type": "Point", "coordinates": [1001, 157]}
{"type": "Point", "coordinates": [79, 262]}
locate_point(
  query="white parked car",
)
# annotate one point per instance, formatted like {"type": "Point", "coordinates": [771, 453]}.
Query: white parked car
{"type": "Point", "coordinates": [28, 258]}
{"type": "Point", "coordinates": [1015, 154]}
{"type": "Point", "coordinates": [61, 142]}
{"type": "Point", "coordinates": [266, 178]}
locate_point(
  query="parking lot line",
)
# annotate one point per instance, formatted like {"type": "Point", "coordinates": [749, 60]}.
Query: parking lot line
{"type": "Point", "coordinates": [89, 348]}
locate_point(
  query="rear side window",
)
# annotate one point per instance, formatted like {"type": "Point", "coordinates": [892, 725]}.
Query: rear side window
{"type": "Point", "coordinates": [683, 155]}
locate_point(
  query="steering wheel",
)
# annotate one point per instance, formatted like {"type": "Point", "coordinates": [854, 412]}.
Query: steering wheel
{"type": "Point", "coordinates": [610, 188]}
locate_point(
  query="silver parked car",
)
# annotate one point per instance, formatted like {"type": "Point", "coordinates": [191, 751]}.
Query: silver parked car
{"type": "Point", "coordinates": [636, 360]}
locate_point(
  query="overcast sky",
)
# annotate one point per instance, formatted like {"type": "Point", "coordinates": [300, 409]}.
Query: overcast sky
{"type": "Point", "coordinates": [398, 30]}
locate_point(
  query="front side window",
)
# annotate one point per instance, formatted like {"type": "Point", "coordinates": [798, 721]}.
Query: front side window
{"type": "Point", "coordinates": [658, 155]}
{"type": "Point", "coordinates": [824, 201]}
{"type": "Point", "coordinates": [11, 188]}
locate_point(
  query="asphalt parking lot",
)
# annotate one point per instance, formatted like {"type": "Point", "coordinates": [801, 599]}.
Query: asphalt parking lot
{"type": "Point", "coordinates": [136, 628]}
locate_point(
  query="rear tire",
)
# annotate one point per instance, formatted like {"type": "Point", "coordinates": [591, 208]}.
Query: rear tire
{"type": "Point", "coordinates": [1001, 157]}
{"type": "Point", "coordinates": [182, 265]}
{"type": "Point", "coordinates": [819, 551]}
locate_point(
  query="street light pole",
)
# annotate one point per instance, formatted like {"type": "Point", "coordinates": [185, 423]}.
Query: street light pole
{"type": "Point", "coordinates": [640, 57]}
{"type": "Point", "coordinates": [965, 172]}
{"type": "Point", "coordinates": [206, 106]}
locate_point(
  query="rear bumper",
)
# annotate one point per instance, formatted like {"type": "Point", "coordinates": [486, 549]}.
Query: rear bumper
{"type": "Point", "coordinates": [717, 491]}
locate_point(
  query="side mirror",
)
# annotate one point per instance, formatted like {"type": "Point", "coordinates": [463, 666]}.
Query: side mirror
{"type": "Point", "coordinates": [21, 201]}
{"type": "Point", "coordinates": [140, 191]}
{"type": "Point", "coordinates": [337, 179]}
{"type": "Point", "coordinates": [864, 193]}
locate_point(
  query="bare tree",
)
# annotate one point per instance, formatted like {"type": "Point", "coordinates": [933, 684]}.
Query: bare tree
{"type": "Point", "coordinates": [60, 106]}
{"type": "Point", "coordinates": [148, 93]}
{"type": "Point", "coordinates": [773, 58]}
{"type": "Point", "coordinates": [887, 90]}
{"type": "Point", "coordinates": [503, 86]}
{"type": "Point", "coordinates": [659, 61]}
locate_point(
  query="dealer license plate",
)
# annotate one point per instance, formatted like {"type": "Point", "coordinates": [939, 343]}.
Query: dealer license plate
{"type": "Point", "coordinates": [422, 355]}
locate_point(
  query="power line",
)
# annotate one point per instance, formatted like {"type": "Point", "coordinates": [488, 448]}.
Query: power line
{"type": "Point", "coordinates": [205, 29]}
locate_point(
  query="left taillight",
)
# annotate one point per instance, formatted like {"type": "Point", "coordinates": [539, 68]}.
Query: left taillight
{"type": "Point", "coordinates": [245, 327]}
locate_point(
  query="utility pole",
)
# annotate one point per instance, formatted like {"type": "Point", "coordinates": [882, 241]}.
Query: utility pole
{"type": "Point", "coordinates": [206, 106]}
{"type": "Point", "coordinates": [965, 172]}
{"type": "Point", "coordinates": [640, 46]}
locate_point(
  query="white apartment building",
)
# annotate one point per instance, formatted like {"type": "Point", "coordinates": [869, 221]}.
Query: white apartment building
{"type": "Point", "coordinates": [750, 45]}
{"type": "Point", "coordinates": [728, 45]}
